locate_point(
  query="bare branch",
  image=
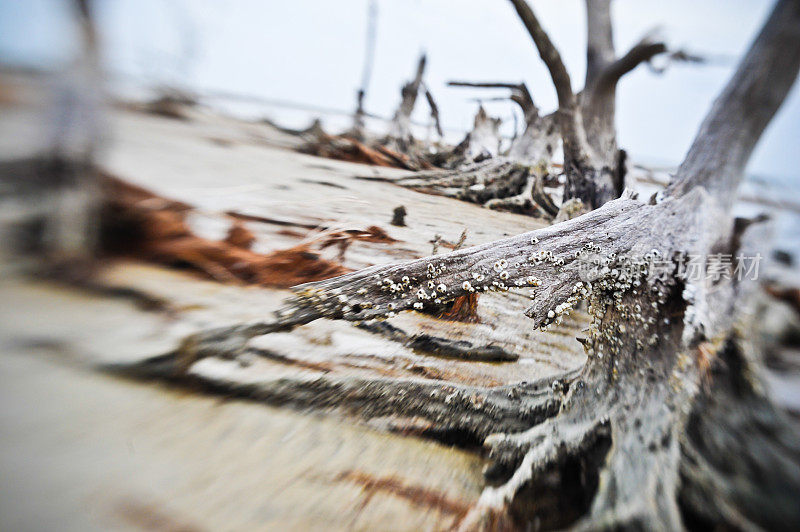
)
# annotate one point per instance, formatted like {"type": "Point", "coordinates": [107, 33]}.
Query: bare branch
{"type": "Point", "coordinates": [573, 135]}
{"type": "Point", "coordinates": [434, 111]}
{"type": "Point", "coordinates": [677, 56]}
{"type": "Point", "coordinates": [519, 93]}
{"type": "Point", "coordinates": [546, 261]}
{"type": "Point", "coordinates": [549, 54]}
{"type": "Point", "coordinates": [687, 57]}
{"type": "Point", "coordinates": [359, 125]}
{"type": "Point", "coordinates": [486, 84]}
{"type": "Point", "coordinates": [545, 257]}
{"type": "Point", "coordinates": [730, 131]}
{"type": "Point", "coordinates": [642, 52]}
{"type": "Point", "coordinates": [369, 45]}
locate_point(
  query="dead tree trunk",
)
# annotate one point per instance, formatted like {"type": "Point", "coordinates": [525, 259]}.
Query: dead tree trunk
{"type": "Point", "coordinates": [400, 136]}
{"type": "Point", "coordinates": [586, 178]}
{"type": "Point", "coordinates": [479, 174]}
{"type": "Point", "coordinates": [583, 125]}
{"type": "Point", "coordinates": [592, 163]}
{"type": "Point", "coordinates": [540, 138]}
{"type": "Point", "coordinates": [538, 142]}
{"type": "Point", "coordinates": [586, 122]}
{"type": "Point", "coordinates": [666, 424]}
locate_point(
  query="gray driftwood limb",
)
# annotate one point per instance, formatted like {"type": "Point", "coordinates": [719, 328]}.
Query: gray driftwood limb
{"type": "Point", "coordinates": [660, 447]}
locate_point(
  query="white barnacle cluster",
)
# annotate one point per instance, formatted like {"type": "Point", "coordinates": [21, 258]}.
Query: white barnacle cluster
{"type": "Point", "coordinates": [330, 302]}
{"type": "Point", "coordinates": [500, 268]}
{"type": "Point", "coordinates": [619, 289]}
{"type": "Point", "coordinates": [479, 279]}
{"type": "Point", "coordinates": [434, 271]}
{"type": "Point", "coordinates": [432, 290]}
{"type": "Point", "coordinates": [543, 256]}
{"type": "Point", "coordinates": [398, 289]}
{"type": "Point", "coordinates": [407, 291]}
{"type": "Point", "coordinates": [579, 292]}
{"type": "Point", "coordinates": [500, 265]}
{"type": "Point", "coordinates": [389, 285]}
{"type": "Point", "coordinates": [409, 287]}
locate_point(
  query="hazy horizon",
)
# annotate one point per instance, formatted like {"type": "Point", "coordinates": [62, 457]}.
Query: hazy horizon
{"type": "Point", "coordinates": [312, 52]}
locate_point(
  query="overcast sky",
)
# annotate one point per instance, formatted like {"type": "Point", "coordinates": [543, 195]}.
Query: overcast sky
{"type": "Point", "coordinates": [311, 51]}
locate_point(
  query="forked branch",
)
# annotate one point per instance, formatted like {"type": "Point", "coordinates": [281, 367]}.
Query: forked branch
{"type": "Point", "coordinates": [642, 52]}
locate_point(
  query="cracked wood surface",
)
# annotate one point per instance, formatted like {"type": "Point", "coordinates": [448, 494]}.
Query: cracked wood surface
{"type": "Point", "coordinates": [308, 367]}
{"type": "Point", "coordinates": [665, 338]}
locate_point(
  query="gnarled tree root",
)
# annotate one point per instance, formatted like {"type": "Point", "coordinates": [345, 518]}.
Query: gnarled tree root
{"type": "Point", "coordinates": [648, 354]}
{"type": "Point", "coordinates": [455, 414]}
{"type": "Point", "coordinates": [675, 451]}
{"type": "Point", "coordinates": [679, 454]}
{"type": "Point", "coordinates": [495, 183]}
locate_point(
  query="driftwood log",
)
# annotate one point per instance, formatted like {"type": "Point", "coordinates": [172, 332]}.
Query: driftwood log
{"type": "Point", "coordinates": [667, 425]}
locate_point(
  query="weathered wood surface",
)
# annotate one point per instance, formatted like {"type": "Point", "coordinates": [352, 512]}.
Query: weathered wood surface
{"type": "Point", "coordinates": [653, 339]}
{"type": "Point", "coordinates": [58, 344]}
